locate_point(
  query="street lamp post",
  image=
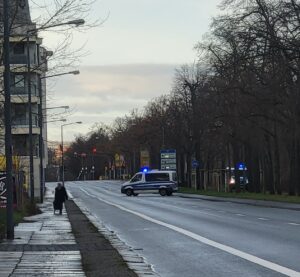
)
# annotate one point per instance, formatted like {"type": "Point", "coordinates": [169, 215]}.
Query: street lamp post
{"type": "Point", "coordinates": [41, 124]}
{"type": "Point", "coordinates": [93, 172]}
{"type": "Point", "coordinates": [41, 154]}
{"type": "Point", "coordinates": [163, 137]}
{"type": "Point", "coordinates": [7, 118]}
{"type": "Point", "coordinates": [62, 148]}
{"type": "Point", "coordinates": [77, 23]}
{"type": "Point", "coordinates": [84, 173]}
{"type": "Point", "coordinates": [31, 177]}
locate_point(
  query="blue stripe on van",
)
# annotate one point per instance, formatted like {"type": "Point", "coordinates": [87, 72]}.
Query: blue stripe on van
{"type": "Point", "coordinates": [153, 185]}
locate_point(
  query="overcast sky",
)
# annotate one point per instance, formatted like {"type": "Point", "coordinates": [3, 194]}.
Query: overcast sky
{"type": "Point", "coordinates": [132, 58]}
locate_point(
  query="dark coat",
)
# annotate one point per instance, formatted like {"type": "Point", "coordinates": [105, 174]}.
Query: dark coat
{"type": "Point", "coordinates": [60, 195]}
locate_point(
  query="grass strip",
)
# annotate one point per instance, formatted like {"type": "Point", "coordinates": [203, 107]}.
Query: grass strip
{"type": "Point", "coordinates": [244, 195]}
{"type": "Point", "coordinates": [18, 214]}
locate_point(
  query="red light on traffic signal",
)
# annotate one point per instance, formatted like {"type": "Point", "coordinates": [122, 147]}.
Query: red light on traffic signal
{"type": "Point", "coordinates": [94, 150]}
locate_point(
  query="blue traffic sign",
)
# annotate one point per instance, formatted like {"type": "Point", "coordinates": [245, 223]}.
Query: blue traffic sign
{"type": "Point", "coordinates": [195, 164]}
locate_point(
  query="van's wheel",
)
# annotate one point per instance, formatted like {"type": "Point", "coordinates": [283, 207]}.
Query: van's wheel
{"type": "Point", "coordinates": [129, 192]}
{"type": "Point", "coordinates": [169, 192]}
{"type": "Point", "coordinates": [163, 192]}
{"type": "Point", "coordinates": [135, 194]}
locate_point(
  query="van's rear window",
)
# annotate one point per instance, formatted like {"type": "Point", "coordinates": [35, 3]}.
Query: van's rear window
{"type": "Point", "coordinates": [152, 177]}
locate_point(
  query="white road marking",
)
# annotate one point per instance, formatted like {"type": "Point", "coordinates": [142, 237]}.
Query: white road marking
{"type": "Point", "coordinates": [240, 214]}
{"type": "Point", "coordinates": [262, 218]}
{"type": "Point", "coordinates": [294, 224]}
{"type": "Point", "coordinates": [228, 249]}
{"type": "Point", "coordinates": [88, 193]}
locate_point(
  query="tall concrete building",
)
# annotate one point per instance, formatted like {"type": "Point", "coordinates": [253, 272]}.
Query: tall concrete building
{"type": "Point", "coordinates": [25, 79]}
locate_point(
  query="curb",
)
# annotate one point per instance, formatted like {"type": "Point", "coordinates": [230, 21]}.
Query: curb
{"type": "Point", "coordinates": [259, 203]}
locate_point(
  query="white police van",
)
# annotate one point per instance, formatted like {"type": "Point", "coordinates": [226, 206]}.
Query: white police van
{"type": "Point", "coordinates": [162, 181]}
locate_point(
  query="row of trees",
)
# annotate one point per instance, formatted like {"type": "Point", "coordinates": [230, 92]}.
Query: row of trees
{"type": "Point", "coordinates": [238, 103]}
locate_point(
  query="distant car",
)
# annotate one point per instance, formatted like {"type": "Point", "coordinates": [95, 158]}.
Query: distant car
{"type": "Point", "coordinates": [162, 181]}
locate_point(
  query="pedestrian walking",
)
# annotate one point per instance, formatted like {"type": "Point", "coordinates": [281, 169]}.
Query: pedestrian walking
{"type": "Point", "coordinates": [60, 197]}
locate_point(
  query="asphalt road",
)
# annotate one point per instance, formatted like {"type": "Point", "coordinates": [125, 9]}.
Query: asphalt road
{"type": "Point", "coordinates": [194, 237]}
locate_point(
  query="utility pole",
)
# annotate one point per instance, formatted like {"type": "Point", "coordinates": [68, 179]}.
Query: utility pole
{"type": "Point", "coordinates": [7, 119]}
{"type": "Point", "coordinates": [41, 142]}
{"type": "Point", "coordinates": [31, 176]}
{"type": "Point", "coordinates": [62, 148]}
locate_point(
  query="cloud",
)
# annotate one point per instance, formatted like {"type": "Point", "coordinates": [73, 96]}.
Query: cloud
{"type": "Point", "coordinates": [102, 93]}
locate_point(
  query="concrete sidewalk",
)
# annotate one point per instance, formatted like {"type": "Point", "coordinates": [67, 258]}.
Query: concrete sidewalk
{"type": "Point", "coordinates": [45, 246]}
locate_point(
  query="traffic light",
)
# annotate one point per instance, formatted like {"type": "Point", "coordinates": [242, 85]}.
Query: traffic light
{"type": "Point", "coordinates": [94, 150]}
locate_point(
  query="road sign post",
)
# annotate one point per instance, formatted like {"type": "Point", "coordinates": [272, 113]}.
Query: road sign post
{"type": "Point", "coordinates": [168, 159]}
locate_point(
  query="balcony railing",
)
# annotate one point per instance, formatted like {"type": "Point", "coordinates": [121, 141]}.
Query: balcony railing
{"type": "Point", "coordinates": [24, 122]}
{"type": "Point", "coordinates": [18, 91]}
{"type": "Point", "coordinates": [22, 59]}
{"type": "Point", "coordinates": [18, 59]}
{"type": "Point", "coordinates": [24, 90]}
{"type": "Point", "coordinates": [21, 151]}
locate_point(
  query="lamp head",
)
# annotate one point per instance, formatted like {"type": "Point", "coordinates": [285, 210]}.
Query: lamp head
{"type": "Point", "coordinates": [76, 22]}
{"type": "Point", "coordinates": [75, 72]}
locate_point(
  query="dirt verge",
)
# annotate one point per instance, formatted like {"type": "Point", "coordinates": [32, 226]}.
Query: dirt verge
{"type": "Point", "coordinates": [99, 258]}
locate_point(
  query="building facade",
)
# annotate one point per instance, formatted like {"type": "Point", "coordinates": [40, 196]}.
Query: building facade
{"type": "Point", "coordinates": [28, 65]}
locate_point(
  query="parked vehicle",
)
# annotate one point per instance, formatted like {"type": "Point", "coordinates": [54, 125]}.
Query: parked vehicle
{"type": "Point", "coordinates": [244, 182]}
{"type": "Point", "coordinates": [162, 181]}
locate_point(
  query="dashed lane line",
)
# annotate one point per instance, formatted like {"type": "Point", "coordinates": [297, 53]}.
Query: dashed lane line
{"type": "Point", "coordinates": [267, 264]}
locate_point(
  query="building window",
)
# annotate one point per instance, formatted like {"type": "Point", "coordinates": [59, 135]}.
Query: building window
{"type": "Point", "coordinates": [20, 145]}
{"type": "Point", "coordinates": [19, 81]}
{"type": "Point", "coordinates": [19, 110]}
{"type": "Point", "coordinates": [19, 115]}
{"type": "Point", "coordinates": [19, 49]}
